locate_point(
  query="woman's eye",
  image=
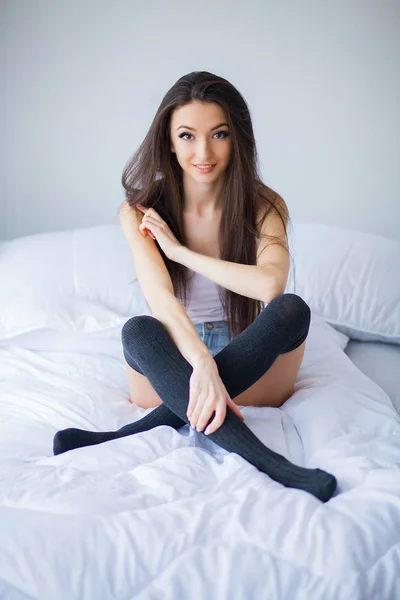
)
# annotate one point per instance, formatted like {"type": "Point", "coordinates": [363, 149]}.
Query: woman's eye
{"type": "Point", "coordinates": [224, 135]}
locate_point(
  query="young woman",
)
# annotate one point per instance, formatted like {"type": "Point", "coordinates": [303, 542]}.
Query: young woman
{"type": "Point", "coordinates": [195, 206]}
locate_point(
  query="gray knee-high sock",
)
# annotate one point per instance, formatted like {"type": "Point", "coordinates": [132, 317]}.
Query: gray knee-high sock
{"type": "Point", "coordinates": [68, 439]}
{"type": "Point", "coordinates": [282, 326]}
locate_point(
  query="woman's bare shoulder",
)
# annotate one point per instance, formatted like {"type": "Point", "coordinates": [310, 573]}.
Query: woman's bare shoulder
{"type": "Point", "coordinates": [270, 202]}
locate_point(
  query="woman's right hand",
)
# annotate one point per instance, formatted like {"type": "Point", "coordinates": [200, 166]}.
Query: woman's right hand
{"type": "Point", "coordinates": [208, 394]}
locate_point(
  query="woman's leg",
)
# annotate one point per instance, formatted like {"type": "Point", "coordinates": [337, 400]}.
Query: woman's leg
{"type": "Point", "coordinates": [281, 327]}
{"type": "Point", "coordinates": [68, 439]}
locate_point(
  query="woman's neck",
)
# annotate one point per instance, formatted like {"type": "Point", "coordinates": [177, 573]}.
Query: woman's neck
{"type": "Point", "coordinates": [202, 200]}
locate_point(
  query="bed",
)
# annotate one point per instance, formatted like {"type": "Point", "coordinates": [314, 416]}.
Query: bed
{"type": "Point", "coordinates": [169, 514]}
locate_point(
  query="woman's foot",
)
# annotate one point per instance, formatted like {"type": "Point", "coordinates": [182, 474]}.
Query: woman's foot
{"type": "Point", "coordinates": [68, 439]}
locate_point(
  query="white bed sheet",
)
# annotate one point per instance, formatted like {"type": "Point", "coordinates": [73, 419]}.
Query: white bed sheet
{"type": "Point", "coordinates": [169, 514]}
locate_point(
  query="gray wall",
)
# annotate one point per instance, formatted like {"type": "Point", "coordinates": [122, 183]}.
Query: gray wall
{"type": "Point", "coordinates": [83, 79]}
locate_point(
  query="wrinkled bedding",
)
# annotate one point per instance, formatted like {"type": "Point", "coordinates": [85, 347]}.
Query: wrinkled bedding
{"type": "Point", "coordinates": [169, 514]}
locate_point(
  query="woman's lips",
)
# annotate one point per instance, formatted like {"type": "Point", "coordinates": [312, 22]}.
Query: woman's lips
{"type": "Point", "coordinates": [204, 170]}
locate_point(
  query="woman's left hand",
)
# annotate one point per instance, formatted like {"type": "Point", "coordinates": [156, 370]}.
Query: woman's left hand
{"type": "Point", "coordinates": [160, 230]}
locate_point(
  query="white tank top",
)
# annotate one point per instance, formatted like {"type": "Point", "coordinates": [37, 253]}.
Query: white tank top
{"type": "Point", "coordinates": [203, 299]}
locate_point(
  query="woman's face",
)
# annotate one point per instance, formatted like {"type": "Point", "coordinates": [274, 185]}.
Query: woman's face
{"type": "Point", "coordinates": [200, 135]}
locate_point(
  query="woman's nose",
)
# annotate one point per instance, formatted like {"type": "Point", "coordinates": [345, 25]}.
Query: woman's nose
{"type": "Point", "coordinates": [203, 151]}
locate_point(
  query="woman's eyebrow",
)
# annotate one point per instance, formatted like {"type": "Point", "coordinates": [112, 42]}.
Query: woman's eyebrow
{"type": "Point", "coordinates": [193, 129]}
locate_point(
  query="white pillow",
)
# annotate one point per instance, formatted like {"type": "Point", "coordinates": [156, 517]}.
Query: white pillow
{"type": "Point", "coordinates": [350, 278]}
{"type": "Point", "coordinates": [331, 336]}
{"type": "Point", "coordinates": [77, 281]}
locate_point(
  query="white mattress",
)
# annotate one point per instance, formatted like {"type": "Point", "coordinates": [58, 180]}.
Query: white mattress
{"type": "Point", "coordinates": [169, 514]}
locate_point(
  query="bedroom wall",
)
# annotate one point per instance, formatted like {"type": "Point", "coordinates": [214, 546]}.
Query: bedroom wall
{"type": "Point", "coordinates": [81, 83]}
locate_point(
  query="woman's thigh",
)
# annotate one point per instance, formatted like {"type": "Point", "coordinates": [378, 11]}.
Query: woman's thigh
{"type": "Point", "coordinates": [142, 392]}
{"type": "Point", "coordinates": [277, 384]}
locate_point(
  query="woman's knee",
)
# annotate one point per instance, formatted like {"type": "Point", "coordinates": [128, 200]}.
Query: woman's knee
{"type": "Point", "coordinates": [138, 327]}
{"type": "Point", "coordinates": [294, 311]}
{"type": "Point", "coordinates": [134, 335]}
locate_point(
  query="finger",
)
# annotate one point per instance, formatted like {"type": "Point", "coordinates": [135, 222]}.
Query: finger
{"type": "Point", "coordinates": [218, 420]}
{"type": "Point", "coordinates": [151, 212]}
{"type": "Point", "coordinates": [151, 223]}
{"type": "Point", "coordinates": [156, 219]}
{"type": "Point", "coordinates": [193, 420]}
{"type": "Point", "coordinates": [147, 224]}
{"type": "Point", "coordinates": [147, 219]}
{"type": "Point", "coordinates": [191, 408]}
{"type": "Point", "coordinates": [197, 411]}
{"type": "Point", "coordinates": [145, 231]}
{"type": "Point", "coordinates": [191, 404]}
{"type": "Point", "coordinates": [205, 416]}
{"type": "Point", "coordinates": [235, 409]}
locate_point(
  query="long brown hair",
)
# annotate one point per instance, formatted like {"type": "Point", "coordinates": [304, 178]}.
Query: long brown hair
{"type": "Point", "coordinates": [153, 178]}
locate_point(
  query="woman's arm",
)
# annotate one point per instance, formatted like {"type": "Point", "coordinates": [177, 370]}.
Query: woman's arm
{"type": "Point", "coordinates": [173, 316]}
{"type": "Point", "coordinates": [157, 287]}
{"type": "Point", "coordinates": [259, 282]}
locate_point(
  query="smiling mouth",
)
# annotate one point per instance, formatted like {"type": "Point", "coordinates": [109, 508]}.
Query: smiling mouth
{"type": "Point", "coordinates": [203, 168]}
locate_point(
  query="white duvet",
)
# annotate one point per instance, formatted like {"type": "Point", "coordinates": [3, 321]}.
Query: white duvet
{"type": "Point", "coordinates": [168, 514]}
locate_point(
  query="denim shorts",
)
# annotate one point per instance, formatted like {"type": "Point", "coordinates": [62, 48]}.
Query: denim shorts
{"type": "Point", "coordinates": [215, 335]}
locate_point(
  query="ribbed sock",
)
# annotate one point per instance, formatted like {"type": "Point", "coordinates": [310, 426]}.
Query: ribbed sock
{"type": "Point", "coordinates": [68, 439]}
{"type": "Point", "coordinates": [281, 327]}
